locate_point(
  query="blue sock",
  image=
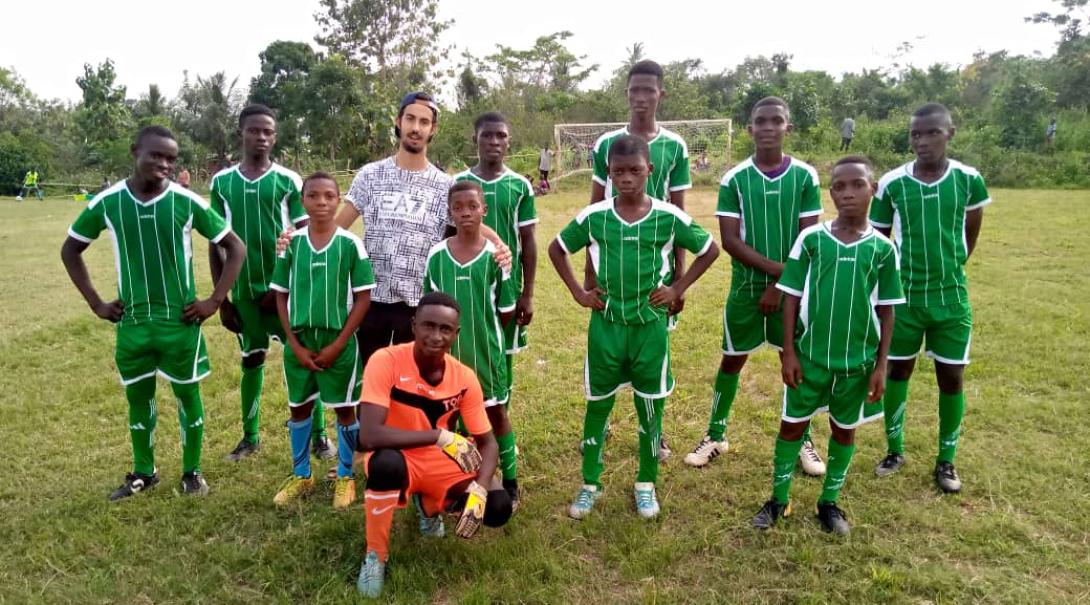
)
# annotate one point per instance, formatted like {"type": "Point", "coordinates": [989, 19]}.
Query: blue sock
{"type": "Point", "coordinates": [300, 446]}
{"type": "Point", "coordinates": [347, 436]}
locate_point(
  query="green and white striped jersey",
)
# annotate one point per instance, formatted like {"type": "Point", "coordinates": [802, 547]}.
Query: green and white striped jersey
{"type": "Point", "coordinates": [258, 211]}
{"type": "Point", "coordinates": [669, 158]}
{"type": "Point", "coordinates": [153, 249]}
{"type": "Point", "coordinates": [633, 259]}
{"type": "Point", "coordinates": [483, 290]}
{"type": "Point", "coordinates": [840, 285]}
{"type": "Point", "coordinates": [928, 223]}
{"type": "Point", "coordinates": [510, 199]}
{"type": "Point", "coordinates": [769, 211]}
{"type": "Point", "coordinates": [321, 284]}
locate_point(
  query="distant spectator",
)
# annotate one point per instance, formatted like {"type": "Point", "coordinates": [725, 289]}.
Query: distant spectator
{"type": "Point", "coordinates": [1050, 132]}
{"type": "Point", "coordinates": [544, 165]}
{"type": "Point", "coordinates": [847, 133]}
{"type": "Point", "coordinates": [590, 157]}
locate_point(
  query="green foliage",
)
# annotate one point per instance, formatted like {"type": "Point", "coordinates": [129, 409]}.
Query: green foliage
{"type": "Point", "coordinates": [336, 106]}
{"type": "Point", "coordinates": [17, 157]}
{"type": "Point", "coordinates": [282, 85]}
{"type": "Point", "coordinates": [1020, 110]}
{"type": "Point", "coordinates": [102, 118]}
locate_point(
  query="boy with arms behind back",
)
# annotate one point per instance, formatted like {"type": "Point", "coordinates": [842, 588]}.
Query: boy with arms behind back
{"type": "Point", "coordinates": [764, 203]}
{"type": "Point", "coordinates": [259, 198]}
{"type": "Point", "coordinates": [465, 267]}
{"type": "Point", "coordinates": [934, 206]}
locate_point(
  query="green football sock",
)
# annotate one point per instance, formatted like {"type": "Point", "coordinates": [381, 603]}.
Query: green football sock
{"type": "Point", "coordinates": [894, 403]}
{"type": "Point", "coordinates": [726, 387]}
{"type": "Point", "coordinates": [594, 438]}
{"type": "Point", "coordinates": [318, 430]}
{"type": "Point", "coordinates": [649, 413]}
{"type": "Point", "coordinates": [840, 457]}
{"type": "Point", "coordinates": [252, 381]}
{"type": "Point", "coordinates": [783, 468]}
{"type": "Point", "coordinates": [508, 465]}
{"type": "Point", "coordinates": [142, 420]}
{"type": "Point", "coordinates": [806, 434]}
{"type": "Point", "coordinates": [951, 411]}
{"type": "Point", "coordinates": [191, 420]}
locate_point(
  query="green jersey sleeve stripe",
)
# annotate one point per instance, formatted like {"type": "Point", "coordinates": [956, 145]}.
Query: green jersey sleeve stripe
{"type": "Point", "coordinates": [72, 234]}
{"type": "Point", "coordinates": [222, 234]}
{"type": "Point", "coordinates": [980, 204]}
{"type": "Point", "coordinates": [277, 287]}
{"type": "Point", "coordinates": [707, 246]}
{"type": "Point", "coordinates": [789, 290]}
{"type": "Point", "coordinates": [563, 247]}
{"type": "Point", "coordinates": [532, 221]}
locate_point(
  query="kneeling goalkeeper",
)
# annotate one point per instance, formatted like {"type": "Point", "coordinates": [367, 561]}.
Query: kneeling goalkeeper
{"type": "Point", "coordinates": [413, 395]}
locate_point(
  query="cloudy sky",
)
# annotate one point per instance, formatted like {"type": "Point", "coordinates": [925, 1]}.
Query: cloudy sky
{"type": "Point", "coordinates": [156, 42]}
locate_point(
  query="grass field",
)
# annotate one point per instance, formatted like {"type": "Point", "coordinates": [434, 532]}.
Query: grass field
{"type": "Point", "coordinates": [1019, 534]}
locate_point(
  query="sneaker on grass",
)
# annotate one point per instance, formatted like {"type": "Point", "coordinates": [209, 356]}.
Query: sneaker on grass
{"type": "Point", "coordinates": [706, 451]}
{"type": "Point", "coordinates": [134, 484]}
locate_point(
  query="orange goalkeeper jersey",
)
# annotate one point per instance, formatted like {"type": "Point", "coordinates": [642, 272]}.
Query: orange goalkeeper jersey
{"type": "Point", "coordinates": [392, 380]}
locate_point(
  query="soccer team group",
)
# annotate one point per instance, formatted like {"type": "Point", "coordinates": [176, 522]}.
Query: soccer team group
{"type": "Point", "coordinates": [408, 334]}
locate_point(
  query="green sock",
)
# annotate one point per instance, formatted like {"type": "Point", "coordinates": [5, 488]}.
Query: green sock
{"type": "Point", "coordinates": [508, 465]}
{"type": "Point", "coordinates": [783, 468]}
{"type": "Point", "coordinates": [840, 456]}
{"type": "Point", "coordinates": [594, 438]}
{"type": "Point", "coordinates": [726, 387]}
{"type": "Point", "coordinates": [894, 404]}
{"type": "Point", "coordinates": [806, 434]}
{"type": "Point", "coordinates": [951, 411]}
{"type": "Point", "coordinates": [318, 429]}
{"type": "Point", "coordinates": [142, 420]}
{"type": "Point", "coordinates": [191, 419]}
{"type": "Point", "coordinates": [252, 381]}
{"type": "Point", "coordinates": [649, 414]}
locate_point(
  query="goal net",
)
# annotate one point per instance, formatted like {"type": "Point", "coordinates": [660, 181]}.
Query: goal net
{"type": "Point", "coordinates": [708, 141]}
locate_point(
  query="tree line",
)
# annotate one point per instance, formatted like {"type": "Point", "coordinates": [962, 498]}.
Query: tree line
{"type": "Point", "coordinates": [336, 100]}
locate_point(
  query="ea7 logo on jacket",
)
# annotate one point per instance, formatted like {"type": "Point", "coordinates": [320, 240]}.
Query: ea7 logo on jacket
{"type": "Point", "coordinates": [434, 409]}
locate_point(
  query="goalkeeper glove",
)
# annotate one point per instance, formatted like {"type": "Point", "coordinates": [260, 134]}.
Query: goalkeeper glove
{"type": "Point", "coordinates": [461, 450]}
{"type": "Point", "coordinates": [473, 513]}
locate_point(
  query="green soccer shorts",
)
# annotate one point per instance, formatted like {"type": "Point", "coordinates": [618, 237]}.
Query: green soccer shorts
{"type": "Point", "coordinates": [745, 328]}
{"type": "Point", "coordinates": [173, 349]}
{"type": "Point", "coordinates": [258, 327]}
{"type": "Point", "coordinates": [514, 337]}
{"type": "Point", "coordinates": [946, 330]}
{"type": "Point", "coordinates": [636, 355]}
{"type": "Point", "coordinates": [842, 394]}
{"type": "Point", "coordinates": [334, 387]}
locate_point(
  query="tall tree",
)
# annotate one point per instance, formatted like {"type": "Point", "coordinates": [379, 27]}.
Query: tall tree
{"type": "Point", "coordinates": [282, 85]}
{"type": "Point", "coordinates": [103, 119]}
{"type": "Point", "coordinates": [395, 40]}
{"type": "Point", "coordinates": [210, 108]}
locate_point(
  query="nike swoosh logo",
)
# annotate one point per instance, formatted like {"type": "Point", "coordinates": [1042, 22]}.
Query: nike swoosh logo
{"type": "Point", "coordinates": [405, 379]}
{"type": "Point", "coordinates": [379, 511]}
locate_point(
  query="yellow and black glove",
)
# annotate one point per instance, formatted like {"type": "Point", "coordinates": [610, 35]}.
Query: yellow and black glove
{"type": "Point", "coordinates": [473, 512]}
{"type": "Point", "coordinates": [460, 450]}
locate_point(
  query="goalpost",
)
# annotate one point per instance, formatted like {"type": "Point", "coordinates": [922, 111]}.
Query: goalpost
{"type": "Point", "coordinates": [708, 141]}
